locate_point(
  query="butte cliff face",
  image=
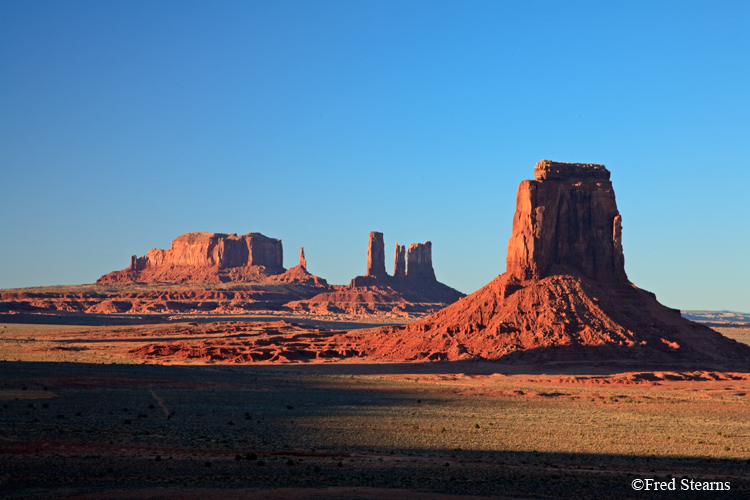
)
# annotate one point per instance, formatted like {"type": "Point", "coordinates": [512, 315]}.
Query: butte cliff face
{"type": "Point", "coordinates": [419, 262]}
{"type": "Point", "coordinates": [206, 257]}
{"type": "Point", "coordinates": [375, 255]}
{"type": "Point", "coordinates": [214, 258]}
{"type": "Point", "coordinates": [565, 297]}
{"type": "Point", "coordinates": [412, 266]}
{"type": "Point", "coordinates": [220, 250]}
{"type": "Point", "coordinates": [566, 222]}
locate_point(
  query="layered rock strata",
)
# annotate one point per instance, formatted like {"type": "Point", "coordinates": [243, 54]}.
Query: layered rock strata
{"type": "Point", "coordinates": [566, 221]}
{"type": "Point", "coordinates": [565, 297]}
{"type": "Point", "coordinates": [206, 257]}
{"type": "Point", "coordinates": [251, 266]}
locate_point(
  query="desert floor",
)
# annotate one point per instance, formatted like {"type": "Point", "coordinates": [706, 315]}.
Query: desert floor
{"type": "Point", "coordinates": [82, 416]}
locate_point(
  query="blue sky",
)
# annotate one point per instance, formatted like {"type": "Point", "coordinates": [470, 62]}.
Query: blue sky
{"type": "Point", "coordinates": [126, 124]}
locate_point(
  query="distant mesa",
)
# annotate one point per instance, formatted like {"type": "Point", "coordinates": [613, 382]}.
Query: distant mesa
{"type": "Point", "coordinates": [211, 258]}
{"type": "Point", "coordinates": [251, 259]}
{"type": "Point", "coordinates": [565, 296]}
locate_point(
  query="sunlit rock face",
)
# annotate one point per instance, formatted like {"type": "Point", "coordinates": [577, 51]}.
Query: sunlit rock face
{"type": "Point", "coordinates": [375, 255]}
{"type": "Point", "coordinates": [566, 220]}
{"type": "Point", "coordinates": [206, 257]}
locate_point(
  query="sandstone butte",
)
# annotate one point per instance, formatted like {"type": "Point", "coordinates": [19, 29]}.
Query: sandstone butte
{"type": "Point", "coordinates": [212, 258]}
{"type": "Point", "coordinates": [564, 297]}
{"type": "Point", "coordinates": [251, 259]}
{"type": "Point", "coordinates": [413, 288]}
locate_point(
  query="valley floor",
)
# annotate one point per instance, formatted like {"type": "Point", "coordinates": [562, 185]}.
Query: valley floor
{"type": "Point", "coordinates": [81, 417]}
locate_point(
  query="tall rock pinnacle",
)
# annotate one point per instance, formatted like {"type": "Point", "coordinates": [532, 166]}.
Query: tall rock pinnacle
{"type": "Point", "coordinates": [375, 255]}
{"type": "Point", "coordinates": [399, 264]}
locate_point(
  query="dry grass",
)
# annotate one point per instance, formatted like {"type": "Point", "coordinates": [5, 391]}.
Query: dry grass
{"type": "Point", "coordinates": [80, 424]}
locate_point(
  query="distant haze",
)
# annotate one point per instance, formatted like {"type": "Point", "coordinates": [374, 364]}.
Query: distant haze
{"type": "Point", "coordinates": [126, 124]}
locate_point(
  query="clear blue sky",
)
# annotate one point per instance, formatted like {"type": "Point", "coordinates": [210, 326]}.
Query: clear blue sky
{"type": "Point", "coordinates": [124, 124]}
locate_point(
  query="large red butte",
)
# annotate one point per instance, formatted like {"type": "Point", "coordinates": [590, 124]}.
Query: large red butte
{"type": "Point", "coordinates": [565, 297]}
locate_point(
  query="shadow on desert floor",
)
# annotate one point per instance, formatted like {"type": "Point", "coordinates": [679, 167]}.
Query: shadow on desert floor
{"type": "Point", "coordinates": [183, 432]}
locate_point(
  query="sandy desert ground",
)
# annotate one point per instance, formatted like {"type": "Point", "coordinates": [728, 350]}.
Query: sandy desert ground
{"type": "Point", "coordinates": [94, 411]}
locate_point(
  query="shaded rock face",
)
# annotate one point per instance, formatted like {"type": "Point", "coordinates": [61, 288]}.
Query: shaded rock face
{"type": "Point", "coordinates": [566, 220]}
{"type": "Point", "coordinates": [138, 263]}
{"type": "Point", "coordinates": [375, 255]}
{"type": "Point", "coordinates": [419, 262]}
{"type": "Point", "coordinates": [399, 264]}
{"type": "Point", "coordinates": [413, 275]}
{"type": "Point", "coordinates": [565, 297]}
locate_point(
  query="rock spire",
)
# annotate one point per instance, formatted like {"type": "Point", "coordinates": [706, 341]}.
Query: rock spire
{"type": "Point", "coordinates": [399, 264]}
{"type": "Point", "coordinates": [375, 255]}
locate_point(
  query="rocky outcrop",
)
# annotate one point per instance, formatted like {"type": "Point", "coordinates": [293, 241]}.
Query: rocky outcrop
{"type": "Point", "coordinates": [375, 255]}
{"type": "Point", "coordinates": [565, 297]}
{"type": "Point", "coordinates": [219, 250]}
{"type": "Point", "coordinates": [138, 263]}
{"type": "Point", "coordinates": [250, 263]}
{"type": "Point", "coordinates": [206, 257]}
{"type": "Point", "coordinates": [566, 221]}
{"type": "Point", "coordinates": [419, 262]}
{"type": "Point", "coordinates": [414, 277]}
{"type": "Point", "coordinates": [399, 265]}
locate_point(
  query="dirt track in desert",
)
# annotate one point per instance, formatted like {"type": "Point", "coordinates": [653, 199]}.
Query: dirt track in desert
{"type": "Point", "coordinates": [96, 421]}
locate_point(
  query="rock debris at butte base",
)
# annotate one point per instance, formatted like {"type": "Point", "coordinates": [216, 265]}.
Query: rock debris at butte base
{"type": "Point", "coordinates": [564, 297]}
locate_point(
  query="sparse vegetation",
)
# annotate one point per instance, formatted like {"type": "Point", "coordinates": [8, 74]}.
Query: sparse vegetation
{"type": "Point", "coordinates": [493, 421]}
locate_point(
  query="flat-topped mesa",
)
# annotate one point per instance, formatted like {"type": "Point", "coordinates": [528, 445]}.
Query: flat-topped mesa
{"type": "Point", "coordinates": [567, 221]}
{"type": "Point", "coordinates": [205, 258]}
{"type": "Point", "coordinates": [419, 262]}
{"type": "Point", "coordinates": [218, 250]}
{"type": "Point", "coordinates": [375, 255]}
{"type": "Point", "coordinates": [561, 171]}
